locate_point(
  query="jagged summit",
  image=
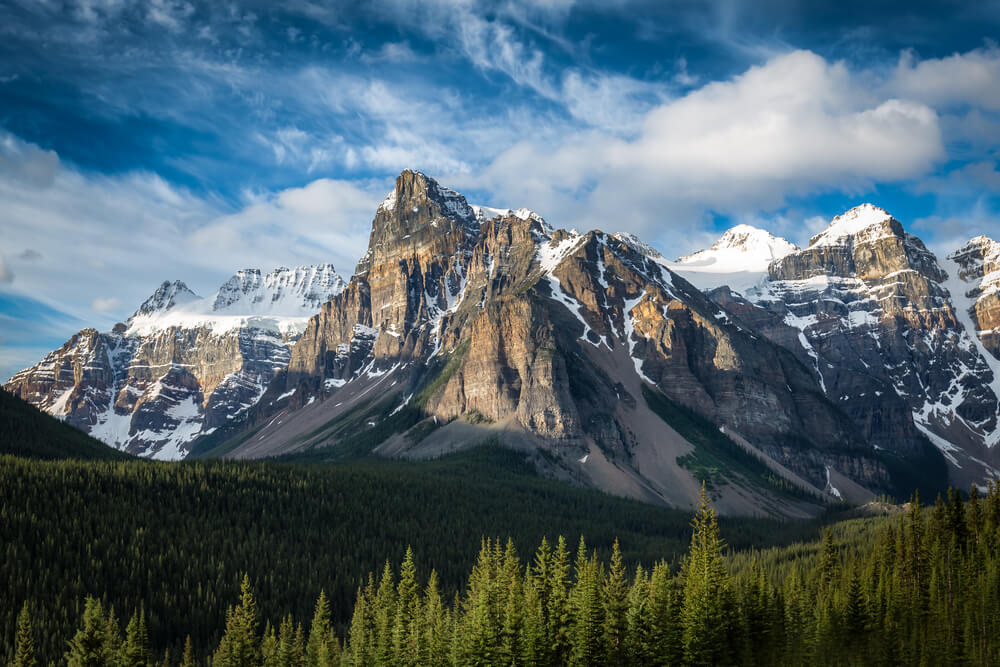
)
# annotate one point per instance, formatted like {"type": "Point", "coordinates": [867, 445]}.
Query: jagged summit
{"type": "Point", "coordinates": [167, 295]}
{"type": "Point", "coordinates": [859, 221]}
{"type": "Point", "coordinates": [414, 189]}
{"type": "Point", "coordinates": [283, 291]}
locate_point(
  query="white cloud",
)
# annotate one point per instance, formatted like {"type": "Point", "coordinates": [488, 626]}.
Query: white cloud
{"type": "Point", "coordinates": [795, 125]}
{"type": "Point", "coordinates": [108, 241]}
{"type": "Point", "coordinates": [971, 78]}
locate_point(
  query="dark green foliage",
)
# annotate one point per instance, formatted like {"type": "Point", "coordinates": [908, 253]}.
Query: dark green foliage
{"type": "Point", "coordinates": [24, 651]}
{"type": "Point", "coordinates": [920, 587]}
{"type": "Point", "coordinates": [175, 538]}
{"type": "Point", "coordinates": [27, 431]}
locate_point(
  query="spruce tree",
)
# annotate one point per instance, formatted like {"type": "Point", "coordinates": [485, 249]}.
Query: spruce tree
{"type": "Point", "coordinates": [406, 632]}
{"type": "Point", "coordinates": [24, 651]}
{"type": "Point", "coordinates": [323, 649]}
{"type": "Point", "coordinates": [188, 659]}
{"type": "Point", "coordinates": [615, 597]}
{"type": "Point", "coordinates": [707, 612]}
{"type": "Point", "coordinates": [136, 651]}
{"type": "Point", "coordinates": [90, 646]}
{"type": "Point", "coordinates": [434, 626]}
{"type": "Point", "coordinates": [240, 645]}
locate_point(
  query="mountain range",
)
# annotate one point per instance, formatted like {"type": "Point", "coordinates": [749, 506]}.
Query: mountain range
{"type": "Point", "coordinates": [783, 377]}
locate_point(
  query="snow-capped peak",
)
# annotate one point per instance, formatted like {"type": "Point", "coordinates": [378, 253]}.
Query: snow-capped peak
{"type": "Point", "coordinates": [166, 296]}
{"type": "Point", "coordinates": [281, 300]}
{"type": "Point", "coordinates": [850, 224]}
{"type": "Point", "coordinates": [742, 248]}
{"type": "Point", "coordinates": [283, 291]}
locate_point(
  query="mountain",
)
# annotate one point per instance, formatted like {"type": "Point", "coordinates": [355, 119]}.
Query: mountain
{"type": "Point", "coordinates": [898, 340]}
{"type": "Point", "coordinates": [738, 259]}
{"type": "Point", "coordinates": [181, 365]}
{"type": "Point", "coordinates": [782, 377]}
{"type": "Point", "coordinates": [463, 324]}
{"type": "Point", "coordinates": [28, 432]}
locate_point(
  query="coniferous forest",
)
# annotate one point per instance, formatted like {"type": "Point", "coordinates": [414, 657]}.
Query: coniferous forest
{"type": "Point", "coordinates": [138, 563]}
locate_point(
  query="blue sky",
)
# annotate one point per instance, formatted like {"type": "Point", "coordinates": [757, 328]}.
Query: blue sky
{"type": "Point", "coordinates": [144, 140]}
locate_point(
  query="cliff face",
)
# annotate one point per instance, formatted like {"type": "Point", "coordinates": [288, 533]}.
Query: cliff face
{"type": "Point", "coordinates": [181, 366]}
{"type": "Point", "coordinates": [977, 265]}
{"type": "Point", "coordinates": [550, 337]}
{"type": "Point", "coordinates": [887, 332]}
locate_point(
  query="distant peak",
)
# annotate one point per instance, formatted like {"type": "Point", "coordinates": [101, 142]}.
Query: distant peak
{"type": "Point", "coordinates": [748, 238]}
{"type": "Point", "coordinates": [283, 290]}
{"type": "Point", "coordinates": [166, 296]}
{"type": "Point", "coordinates": [742, 248]}
{"type": "Point", "coordinates": [850, 224]}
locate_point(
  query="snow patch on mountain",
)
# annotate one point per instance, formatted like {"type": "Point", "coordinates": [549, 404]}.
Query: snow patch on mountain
{"type": "Point", "coordinates": [739, 259]}
{"type": "Point", "coordinates": [964, 297]}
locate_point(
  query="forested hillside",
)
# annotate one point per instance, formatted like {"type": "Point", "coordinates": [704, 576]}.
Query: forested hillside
{"type": "Point", "coordinates": [919, 588]}
{"type": "Point", "coordinates": [27, 431]}
{"type": "Point", "coordinates": [175, 538]}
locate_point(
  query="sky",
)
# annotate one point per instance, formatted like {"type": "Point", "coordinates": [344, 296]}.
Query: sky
{"type": "Point", "coordinates": [152, 140]}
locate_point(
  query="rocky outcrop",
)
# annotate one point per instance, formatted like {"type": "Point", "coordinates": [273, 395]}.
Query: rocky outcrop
{"type": "Point", "coordinates": [884, 327]}
{"type": "Point", "coordinates": [181, 366]}
{"type": "Point", "coordinates": [532, 326]}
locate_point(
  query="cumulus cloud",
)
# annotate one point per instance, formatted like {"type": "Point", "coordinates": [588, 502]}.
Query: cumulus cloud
{"type": "Point", "coordinates": [971, 78]}
{"type": "Point", "coordinates": [795, 125]}
{"type": "Point", "coordinates": [120, 236]}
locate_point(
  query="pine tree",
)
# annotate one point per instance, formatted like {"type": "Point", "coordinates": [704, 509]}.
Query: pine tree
{"type": "Point", "coordinates": [586, 634]}
{"type": "Point", "coordinates": [826, 570]}
{"type": "Point", "coordinates": [24, 651]}
{"type": "Point", "coordinates": [135, 651]}
{"type": "Point", "coordinates": [286, 655]}
{"type": "Point", "coordinates": [406, 632]}
{"type": "Point", "coordinates": [188, 659]}
{"type": "Point", "coordinates": [323, 649]}
{"type": "Point", "coordinates": [384, 612]}
{"type": "Point", "coordinates": [556, 605]}
{"type": "Point", "coordinates": [240, 645]}
{"type": "Point", "coordinates": [89, 646]}
{"type": "Point", "coordinates": [434, 624]}
{"type": "Point", "coordinates": [707, 613]}
{"type": "Point", "coordinates": [615, 596]}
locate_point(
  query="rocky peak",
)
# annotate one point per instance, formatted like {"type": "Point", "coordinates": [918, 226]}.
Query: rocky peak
{"type": "Point", "coordinates": [866, 243]}
{"type": "Point", "coordinates": [864, 222]}
{"type": "Point", "coordinates": [978, 258]}
{"type": "Point", "coordinates": [166, 296]}
{"type": "Point", "coordinates": [418, 212]}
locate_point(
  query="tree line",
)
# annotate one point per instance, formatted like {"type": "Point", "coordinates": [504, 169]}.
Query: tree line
{"type": "Point", "coordinates": [174, 539]}
{"type": "Point", "coordinates": [922, 587]}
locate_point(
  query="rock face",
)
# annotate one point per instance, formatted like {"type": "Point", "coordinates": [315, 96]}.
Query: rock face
{"type": "Point", "coordinates": [889, 335]}
{"type": "Point", "coordinates": [978, 265]}
{"type": "Point", "coordinates": [181, 366]}
{"type": "Point", "coordinates": [501, 326]}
